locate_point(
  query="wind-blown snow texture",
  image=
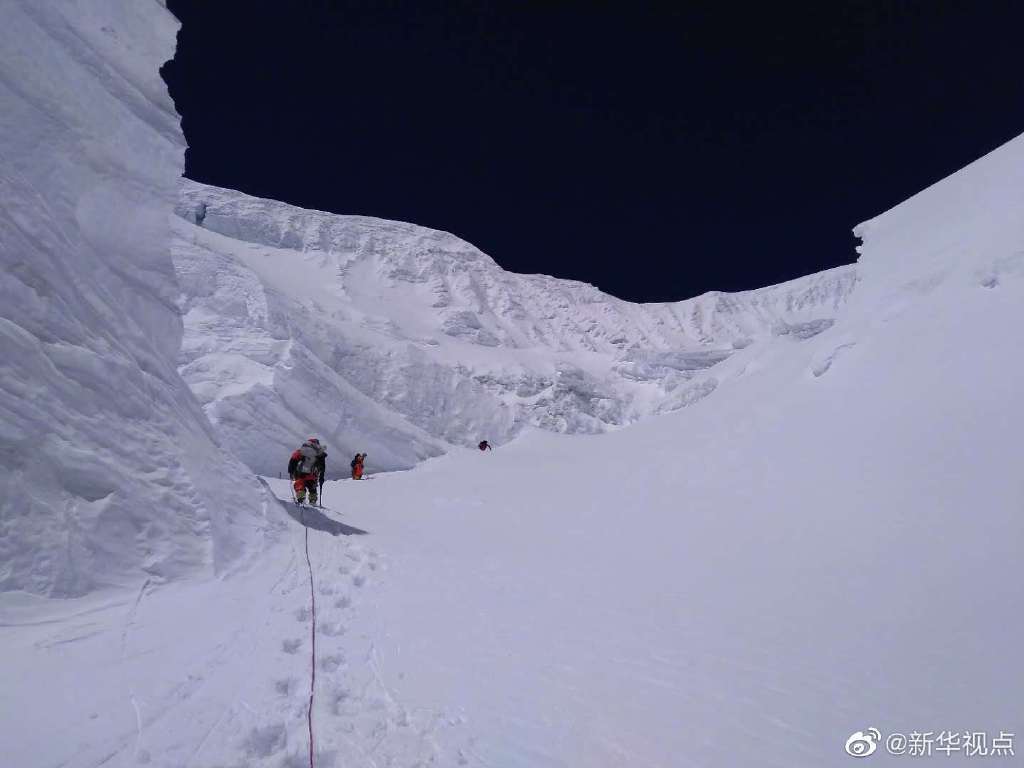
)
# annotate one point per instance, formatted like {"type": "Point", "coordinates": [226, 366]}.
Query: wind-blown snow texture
{"type": "Point", "coordinates": [401, 340]}
{"type": "Point", "coordinates": [109, 465]}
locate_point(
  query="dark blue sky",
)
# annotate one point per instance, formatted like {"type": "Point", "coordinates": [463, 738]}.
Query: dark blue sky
{"type": "Point", "coordinates": [655, 151]}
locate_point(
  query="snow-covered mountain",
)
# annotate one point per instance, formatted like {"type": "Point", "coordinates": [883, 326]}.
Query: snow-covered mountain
{"type": "Point", "coordinates": [401, 340]}
{"type": "Point", "coordinates": [825, 541]}
{"type": "Point", "coordinates": [109, 466]}
{"type": "Point", "coordinates": [826, 545]}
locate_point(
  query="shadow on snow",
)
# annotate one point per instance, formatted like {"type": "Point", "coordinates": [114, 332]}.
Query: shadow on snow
{"type": "Point", "coordinates": [311, 517]}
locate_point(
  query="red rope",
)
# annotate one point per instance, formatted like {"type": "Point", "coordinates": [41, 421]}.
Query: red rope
{"type": "Point", "coordinates": [312, 659]}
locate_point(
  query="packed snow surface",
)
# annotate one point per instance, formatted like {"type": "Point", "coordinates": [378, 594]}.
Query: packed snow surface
{"type": "Point", "coordinates": [825, 541]}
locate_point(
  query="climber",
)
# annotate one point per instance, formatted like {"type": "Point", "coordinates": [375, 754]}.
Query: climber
{"type": "Point", "coordinates": [307, 468]}
{"type": "Point", "coordinates": [321, 469]}
{"type": "Point", "coordinates": [357, 466]}
{"type": "Point", "coordinates": [485, 446]}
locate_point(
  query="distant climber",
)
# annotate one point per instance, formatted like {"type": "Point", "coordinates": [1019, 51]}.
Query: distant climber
{"type": "Point", "coordinates": [307, 468]}
{"type": "Point", "coordinates": [357, 466]}
{"type": "Point", "coordinates": [485, 446]}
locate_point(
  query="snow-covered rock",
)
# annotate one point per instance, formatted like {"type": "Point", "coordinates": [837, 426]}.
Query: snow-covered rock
{"type": "Point", "coordinates": [400, 340]}
{"type": "Point", "coordinates": [111, 472]}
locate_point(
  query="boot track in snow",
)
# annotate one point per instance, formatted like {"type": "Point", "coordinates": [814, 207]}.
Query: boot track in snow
{"type": "Point", "coordinates": [312, 660]}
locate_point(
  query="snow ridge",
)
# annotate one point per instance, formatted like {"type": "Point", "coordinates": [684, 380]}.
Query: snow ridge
{"type": "Point", "coordinates": [828, 539]}
{"type": "Point", "coordinates": [403, 341]}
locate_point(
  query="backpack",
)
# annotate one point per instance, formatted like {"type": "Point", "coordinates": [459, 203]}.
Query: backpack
{"type": "Point", "coordinates": [307, 461]}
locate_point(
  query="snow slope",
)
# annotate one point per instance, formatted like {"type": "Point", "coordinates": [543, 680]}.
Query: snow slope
{"type": "Point", "coordinates": [400, 340]}
{"type": "Point", "coordinates": [111, 472]}
{"type": "Point", "coordinates": [828, 544]}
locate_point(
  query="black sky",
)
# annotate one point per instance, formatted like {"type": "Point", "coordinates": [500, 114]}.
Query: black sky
{"type": "Point", "coordinates": [655, 150]}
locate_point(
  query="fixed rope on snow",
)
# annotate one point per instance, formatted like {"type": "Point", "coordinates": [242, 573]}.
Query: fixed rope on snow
{"type": "Point", "coordinates": [312, 658]}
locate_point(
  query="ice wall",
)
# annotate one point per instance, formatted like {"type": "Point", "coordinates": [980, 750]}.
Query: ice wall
{"type": "Point", "coordinates": [399, 340]}
{"type": "Point", "coordinates": [110, 471]}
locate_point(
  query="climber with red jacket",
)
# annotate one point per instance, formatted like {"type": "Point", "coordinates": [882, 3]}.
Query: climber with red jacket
{"type": "Point", "coordinates": [306, 468]}
{"type": "Point", "coordinates": [357, 466]}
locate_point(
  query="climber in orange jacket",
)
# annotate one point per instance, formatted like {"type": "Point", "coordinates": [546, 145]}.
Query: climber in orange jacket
{"type": "Point", "coordinates": [357, 466]}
